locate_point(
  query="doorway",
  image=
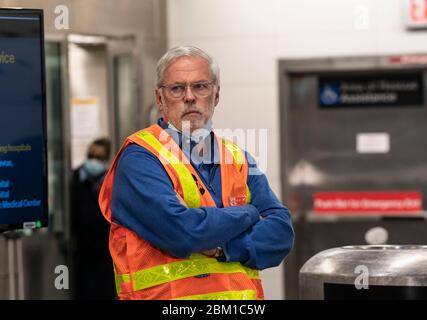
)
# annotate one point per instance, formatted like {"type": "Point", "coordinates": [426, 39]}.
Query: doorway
{"type": "Point", "coordinates": [351, 125]}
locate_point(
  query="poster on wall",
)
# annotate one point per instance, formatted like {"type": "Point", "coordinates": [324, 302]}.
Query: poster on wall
{"type": "Point", "coordinates": [23, 177]}
{"type": "Point", "coordinates": [85, 127]}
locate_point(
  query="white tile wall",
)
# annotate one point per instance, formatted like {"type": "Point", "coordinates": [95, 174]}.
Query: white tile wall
{"type": "Point", "coordinates": [400, 42]}
{"type": "Point", "coordinates": [219, 18]}
{"type": "Point", "coordinates": [248, 37]}
{"type": "Point", "coordinates": [325, 45]}
{"type": "Point", "coordinates": [308, 16]}
{"type": "Point", "coordinates": [238, 58]}
{"type": "Point", "coordinates": [253, 107]}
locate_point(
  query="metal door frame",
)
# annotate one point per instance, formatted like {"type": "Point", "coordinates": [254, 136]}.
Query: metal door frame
{"type": "Point", "coordinates": [129, 46]}
{"type": "Point", "coordinates": [113, 50]}
{"type": "Point", "coordinates": [61, 40]}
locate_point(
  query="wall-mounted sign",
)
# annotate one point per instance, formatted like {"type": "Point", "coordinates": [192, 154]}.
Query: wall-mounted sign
{"type": "Point", "coordinates": [368, 203]}
{"type": "Point", "coordinates": [23, 178]}
{"type": "Point", "coordinates": [373, 142]}
{"type": "Point", "coordinates": [85, 127]}
{"type": "Point", "coordinates": [415, 14]}
{"type": "Point", "coordinates": [408, 59]}
{"type": "Point", "coordinates": [385, 89]}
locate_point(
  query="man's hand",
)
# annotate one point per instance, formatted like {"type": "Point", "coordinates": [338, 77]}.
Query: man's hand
{"type": "Point", "coordinates": [210, 252]}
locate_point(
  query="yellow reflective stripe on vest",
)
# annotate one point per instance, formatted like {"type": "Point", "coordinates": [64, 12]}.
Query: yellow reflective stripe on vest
{"type": "Point", "coordinates": [119, 279]}
{"type": "Point", "coordinates": [239, 159]}
{"type": "Point", "coordinates": [225, 295]}
{"type": "Point", "coordinates": [197, 264]}
{"type": "Point", "coordinates": [189, 187]}
{"type": "Point", "coordinates": [248, 195]}
{"type": "Point", "coordinates": [238, 156]}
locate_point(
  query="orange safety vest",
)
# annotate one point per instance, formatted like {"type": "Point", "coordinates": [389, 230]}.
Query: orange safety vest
{"type": "Point", "coordinates": [143, 271]}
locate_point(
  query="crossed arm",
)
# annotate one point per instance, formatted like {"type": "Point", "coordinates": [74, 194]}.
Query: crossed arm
{"type": "Point", "coordinates": [144, 201]}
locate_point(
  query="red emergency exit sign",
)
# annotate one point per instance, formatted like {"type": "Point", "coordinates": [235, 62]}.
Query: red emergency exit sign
{"type": "Point", "coordinates": [416, 14]}
{"type": "Point", "coordinates": [368, 203]}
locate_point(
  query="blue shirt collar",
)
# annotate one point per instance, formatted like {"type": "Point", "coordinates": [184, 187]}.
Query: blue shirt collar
{"type": "Point", "coordinates": [187, 146]}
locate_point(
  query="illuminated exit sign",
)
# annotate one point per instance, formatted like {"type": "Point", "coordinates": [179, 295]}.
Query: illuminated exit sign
{"type": "Point", "coordinates": [415, 14]}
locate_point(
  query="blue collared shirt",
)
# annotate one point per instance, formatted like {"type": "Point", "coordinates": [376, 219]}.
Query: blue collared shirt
{"type": "Point", "coordinates": [259, 234]}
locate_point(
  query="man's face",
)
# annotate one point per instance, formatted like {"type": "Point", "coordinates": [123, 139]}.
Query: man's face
{"type": "Point", "coordinates": [197, 110]}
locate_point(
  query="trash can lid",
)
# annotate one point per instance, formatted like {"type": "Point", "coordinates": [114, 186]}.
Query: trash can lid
{"type": "Point", "coordinates": [406, 262]}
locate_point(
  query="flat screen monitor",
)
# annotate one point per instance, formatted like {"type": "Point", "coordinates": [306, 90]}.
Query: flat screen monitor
{"type": "Point", "coordinates": [23, 166]}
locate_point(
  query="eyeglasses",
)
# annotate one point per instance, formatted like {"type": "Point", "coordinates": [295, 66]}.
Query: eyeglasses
{"type": "Point", "coordinates": [199, 89]}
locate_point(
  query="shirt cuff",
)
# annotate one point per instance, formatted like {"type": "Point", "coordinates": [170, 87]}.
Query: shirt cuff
{"type": "Point", "coordinates": [237, 249]}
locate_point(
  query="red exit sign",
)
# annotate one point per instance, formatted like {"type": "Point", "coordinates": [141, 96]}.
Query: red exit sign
{"type": "Point", "coordinates": [368, 203]}
{"type": "Point", "coordinates": [416, 14]}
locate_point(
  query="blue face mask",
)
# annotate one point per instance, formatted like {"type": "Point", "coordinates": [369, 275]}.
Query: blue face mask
{"type": "Point", "coordinates": [94, 167]}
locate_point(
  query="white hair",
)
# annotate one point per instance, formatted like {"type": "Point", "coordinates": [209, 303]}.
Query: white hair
{"type": "Point", "coordinates": [184, 51]}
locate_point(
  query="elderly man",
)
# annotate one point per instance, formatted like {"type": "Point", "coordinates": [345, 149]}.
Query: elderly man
{"type": "Point", "coordinates": [188, 221]}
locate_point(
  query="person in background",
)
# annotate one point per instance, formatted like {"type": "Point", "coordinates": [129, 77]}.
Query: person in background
{"type": "Point", "coordinates": [93, 275]}
{"type": "Point", "coordinates": [192, 217]}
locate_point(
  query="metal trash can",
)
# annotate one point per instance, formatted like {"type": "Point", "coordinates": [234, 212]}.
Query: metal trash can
{"type": "Point", "coordinates": [366, 272]}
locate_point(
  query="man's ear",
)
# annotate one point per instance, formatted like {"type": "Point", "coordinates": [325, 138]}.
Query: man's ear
{"type": "Point", "coordinates": [217, 96]}
{"type": "Point", "coordinates": [159, 99]}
